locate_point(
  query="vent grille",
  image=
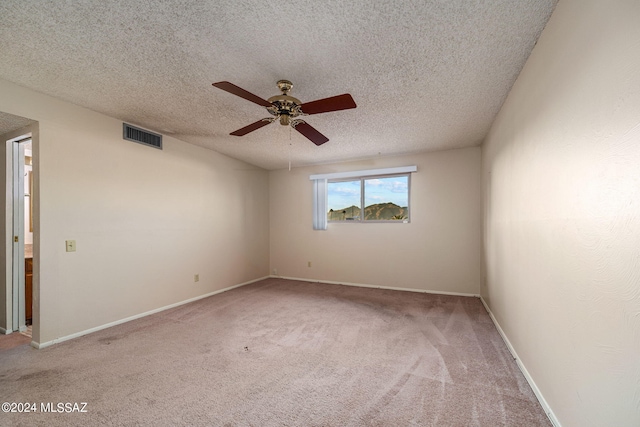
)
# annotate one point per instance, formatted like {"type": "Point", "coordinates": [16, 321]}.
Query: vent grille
{"type": "Point", "coordinates": [141, 136]}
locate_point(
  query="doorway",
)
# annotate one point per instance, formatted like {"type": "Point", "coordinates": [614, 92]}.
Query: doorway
{"type": "Point", "coordinates": [20, 230]}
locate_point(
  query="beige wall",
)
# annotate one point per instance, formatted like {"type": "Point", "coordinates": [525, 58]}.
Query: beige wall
{"type": "Point", "coordinates": [144, 220]}
{"type": "Point", "coordinates": [438, 251]}
{"type": "Point", "coordinates": [561, 172]}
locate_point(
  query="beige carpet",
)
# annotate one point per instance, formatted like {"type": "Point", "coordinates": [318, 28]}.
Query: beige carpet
{"type": "Point", "coordinates": [282, 353]}
{"type": "Point", "coordinates": [12, 340]}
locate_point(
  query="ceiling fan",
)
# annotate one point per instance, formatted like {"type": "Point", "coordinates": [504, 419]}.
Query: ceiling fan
{"type": "Point", "coordinates": [286, 108]}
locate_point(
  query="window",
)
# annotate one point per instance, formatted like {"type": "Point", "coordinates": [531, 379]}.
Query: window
{"type": "Point", "coordinates": [385, 198]}
{"type": "Point", "coordinates": [344, 200]}
{"type": "Point", "coordinates": [340, 196]}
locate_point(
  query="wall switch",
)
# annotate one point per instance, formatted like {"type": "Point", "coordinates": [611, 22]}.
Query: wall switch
{"type": "Point", "coordinates": [71, 245]}
{"type": "Point", "coordinates": [196, 277]}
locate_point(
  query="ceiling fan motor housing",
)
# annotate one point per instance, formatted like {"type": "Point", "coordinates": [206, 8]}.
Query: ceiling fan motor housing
{"type": "Point", "coordinates": [285, 106]}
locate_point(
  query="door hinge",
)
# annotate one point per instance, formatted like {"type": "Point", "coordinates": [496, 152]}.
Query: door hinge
{"type": "Point", "coordinates": [15, 239]}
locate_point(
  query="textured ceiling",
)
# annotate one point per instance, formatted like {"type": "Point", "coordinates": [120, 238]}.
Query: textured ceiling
{"type": "Point", "coordinates": [9, 123]}
{"type": "Point", "coordinates": [426, 75]}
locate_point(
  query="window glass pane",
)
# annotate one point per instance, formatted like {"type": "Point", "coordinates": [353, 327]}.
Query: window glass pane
{"type": "Point", "coordinates": [386, 199]}
{"type": "Point", "coordinates": [343, 200]}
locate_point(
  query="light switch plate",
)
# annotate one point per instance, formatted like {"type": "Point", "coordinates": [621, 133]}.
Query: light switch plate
{"type": "Point", "coordinates": [71, 245]}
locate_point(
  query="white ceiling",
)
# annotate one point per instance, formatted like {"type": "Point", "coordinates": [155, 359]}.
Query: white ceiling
{"type": "Point", "coordinates": [9, 123]}
{"type": "Point", "coordinates": [426, 75]}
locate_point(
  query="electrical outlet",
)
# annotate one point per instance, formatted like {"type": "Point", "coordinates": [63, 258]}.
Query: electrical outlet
{"type": "Point", "coordinates": [196, 277]}
{"type": "Point", "coordinates": [275, 271]}
{"type": "Point", "coordinates": [309, 264]}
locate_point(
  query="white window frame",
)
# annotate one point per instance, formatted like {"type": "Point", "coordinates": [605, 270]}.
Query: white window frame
{"type": "Point", "coordinates": [320, 195]}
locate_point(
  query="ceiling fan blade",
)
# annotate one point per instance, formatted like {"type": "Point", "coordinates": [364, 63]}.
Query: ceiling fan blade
{"type": "Point", "coordinates": [310, 132]}
{"type": "Point", "coordinates": [335, 103]}
{"type": "Point", "coordinates": [238, 91]}
{"type": "Point", "coordinates": [253, 126]}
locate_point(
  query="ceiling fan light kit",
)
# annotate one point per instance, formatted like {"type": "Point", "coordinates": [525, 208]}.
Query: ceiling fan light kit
{"type": "Point", "coordinates": [286, 109]}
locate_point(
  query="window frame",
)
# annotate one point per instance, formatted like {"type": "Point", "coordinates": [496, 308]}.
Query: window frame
{"type": "Point", "coordinates": [362, 180]}
{"type": "Point", "coordinates": [319, 192]}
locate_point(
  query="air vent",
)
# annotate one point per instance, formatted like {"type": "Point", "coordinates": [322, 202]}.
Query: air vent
{"type": "Point", "coordinates": [132, 133]}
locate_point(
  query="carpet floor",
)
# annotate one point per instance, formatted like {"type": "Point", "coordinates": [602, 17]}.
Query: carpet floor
{"type": "Point", "coordinates": [281, 353]}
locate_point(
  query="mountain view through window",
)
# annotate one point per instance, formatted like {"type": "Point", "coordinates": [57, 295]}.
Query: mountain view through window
{"type": "Point", "coordinates": [385, 198]}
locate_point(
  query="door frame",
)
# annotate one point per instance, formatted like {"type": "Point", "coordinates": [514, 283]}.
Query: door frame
{"type": "Point", "coordinates": [15, 232]}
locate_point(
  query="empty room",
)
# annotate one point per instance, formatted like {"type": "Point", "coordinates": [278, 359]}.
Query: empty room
{"type": "Point", "coordinates": [330, 213]}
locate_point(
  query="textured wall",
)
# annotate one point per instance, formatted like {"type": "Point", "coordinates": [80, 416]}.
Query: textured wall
{"type": "Point", "coordinates": [438, 251]}
{"type": "Point", "coordinates": [145, 221]}
{"type": "Point", "coordinates": [561, 172]}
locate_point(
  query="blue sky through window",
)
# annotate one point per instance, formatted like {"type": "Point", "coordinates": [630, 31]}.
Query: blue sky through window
{"type": "Point", "coordinates": [343, 194]}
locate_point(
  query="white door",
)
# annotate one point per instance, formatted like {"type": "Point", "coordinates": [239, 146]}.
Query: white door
{"type": "Point", "coordinates": [18, 272]}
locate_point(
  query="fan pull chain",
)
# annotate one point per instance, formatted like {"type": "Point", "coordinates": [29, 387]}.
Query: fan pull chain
{"type": "Point", "coordinates": [289, 148]}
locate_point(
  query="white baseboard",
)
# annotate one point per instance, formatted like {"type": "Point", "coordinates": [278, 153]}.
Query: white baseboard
{"type": "Point", "coordinates": [3, 331]}
{"type": "Point", "coordinates": [138, 316]}
{"type": "Point", "coordinates": [545, 406]}
{"type": "Point", "coordinates": [364, 285]}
